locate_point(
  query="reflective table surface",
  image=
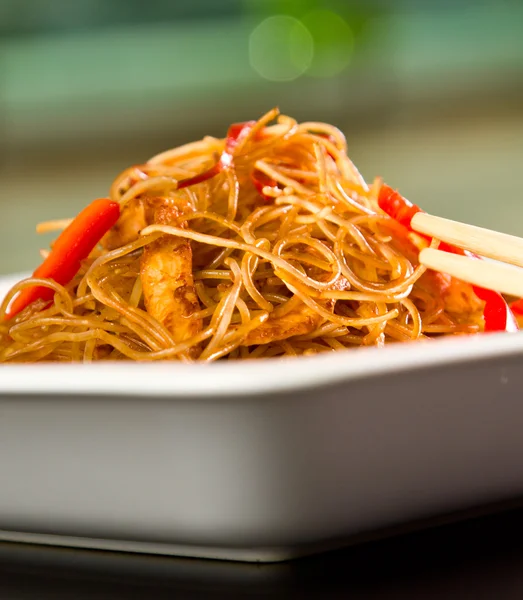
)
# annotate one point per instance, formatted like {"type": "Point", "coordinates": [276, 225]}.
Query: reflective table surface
{"type": "Point", "coordinates": [480, 558]}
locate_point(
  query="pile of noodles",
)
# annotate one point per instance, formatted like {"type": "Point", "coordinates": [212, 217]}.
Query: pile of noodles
{"type": "Point", "coordinates": [313, 250]}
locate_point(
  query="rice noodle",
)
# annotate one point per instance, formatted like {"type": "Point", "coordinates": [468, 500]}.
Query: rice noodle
{"type": "Point", "coordinates": [289, 255]}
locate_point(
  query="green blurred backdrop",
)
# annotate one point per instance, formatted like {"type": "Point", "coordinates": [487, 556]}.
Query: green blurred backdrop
{"type": "Point", "coordinates": [429, 94]}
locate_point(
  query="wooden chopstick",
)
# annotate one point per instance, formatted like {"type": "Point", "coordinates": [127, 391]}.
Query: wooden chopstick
{"type": "Point", "coordinates": [502, 276]}
{"type": "Point", "coordinates": [497, 276]}
{"type": "Point", "coordinates": [492, 244]}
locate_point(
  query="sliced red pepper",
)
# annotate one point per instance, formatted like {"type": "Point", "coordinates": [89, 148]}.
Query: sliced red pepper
{"type": "Point", "coordinates": [517, 307]}
{"type": "Point", "coordinates": [496, 313]}
{"type": "Point", "coordinates": [261, 180]}
{"type": "Point", "coordinates": [237, 133]}
{"type": "Point", "coordinates": [71, 247]}
{"type": "Point", "coordinates": [396, 206]}
{"type": "Point", "coordinates": [201, 177]}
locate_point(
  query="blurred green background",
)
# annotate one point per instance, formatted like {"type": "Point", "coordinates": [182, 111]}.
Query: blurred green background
{"type": "Point", "coordinates": [429, 94]}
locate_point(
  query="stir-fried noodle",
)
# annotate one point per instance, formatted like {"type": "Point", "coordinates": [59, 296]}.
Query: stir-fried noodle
{"type": "Point", "coordinates": [262, 244]}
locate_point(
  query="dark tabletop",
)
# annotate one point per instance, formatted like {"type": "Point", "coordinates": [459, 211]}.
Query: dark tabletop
{"type": "Point", "coordinates": [480, 558]}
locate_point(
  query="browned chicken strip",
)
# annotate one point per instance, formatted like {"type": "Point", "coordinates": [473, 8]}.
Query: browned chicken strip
{"type": "Point", "coordinates": [300, 321]}
{"type": "Point", "coordinates": [166, 264]}
{"type": "Point", "coordinates": [168, 286]}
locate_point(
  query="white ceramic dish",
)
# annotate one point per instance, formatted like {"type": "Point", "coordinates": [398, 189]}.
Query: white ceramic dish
{"type": "Point", "coordinates": [258, 461]}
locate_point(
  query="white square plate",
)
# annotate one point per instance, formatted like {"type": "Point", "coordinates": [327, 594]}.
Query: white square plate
{"type": "Point", "coordinates": [258, 461]}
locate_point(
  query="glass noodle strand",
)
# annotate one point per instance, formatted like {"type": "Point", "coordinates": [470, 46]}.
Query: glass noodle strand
{"type": "Point", "coordinates": [276, 249]}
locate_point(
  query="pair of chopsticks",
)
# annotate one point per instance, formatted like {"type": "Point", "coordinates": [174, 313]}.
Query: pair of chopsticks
{"type": "Point", "coordinates": [502, 276]}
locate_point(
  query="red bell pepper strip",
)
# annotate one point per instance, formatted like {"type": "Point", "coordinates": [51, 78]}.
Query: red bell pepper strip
{"type": "Point", "coordinates": [261, 180]}
{"type": "Point", "coordinates": [236, 133]}
{"type": "Point", "coordinates": [214, 170]}
{"type": "Point", "coordinates": [396, 206]}
{"type": "Point", "coordinates": [72, 246]}
{"type": "Point", "coordinates": [496, 313]}
{"type": "Point", "coordinates": [517, 307]}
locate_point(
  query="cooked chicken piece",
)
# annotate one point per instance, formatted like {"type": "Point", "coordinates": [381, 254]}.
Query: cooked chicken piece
{"type": "Point", "coordinates": [300, 321]}
{"type": "Point", "coordinates": [166, 264]}
{"type": "Point", "coordinates": [168, 286]}
{"type": "Point", "coordinates": [141, 212]}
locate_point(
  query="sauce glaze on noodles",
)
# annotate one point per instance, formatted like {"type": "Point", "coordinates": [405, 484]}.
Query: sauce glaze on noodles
{"type": "Point", "coordinates": [308, 265]}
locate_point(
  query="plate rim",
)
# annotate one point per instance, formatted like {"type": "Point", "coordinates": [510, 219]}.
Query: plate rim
{"type": "Point", "coordinates": [244, 378]}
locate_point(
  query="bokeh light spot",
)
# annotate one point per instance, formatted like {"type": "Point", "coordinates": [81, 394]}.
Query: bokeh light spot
{"type": "Point", "coordinates": [333, 42]}
{"type": "Point", "coordinates": [281, 48]}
